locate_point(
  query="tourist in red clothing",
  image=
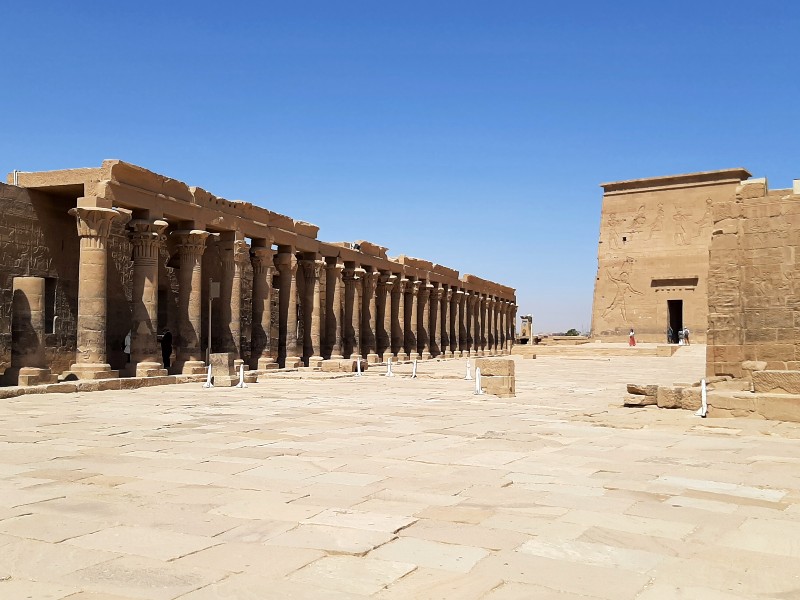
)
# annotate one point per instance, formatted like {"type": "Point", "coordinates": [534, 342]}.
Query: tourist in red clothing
{"type": "Point", "coordinates": [631, 338]}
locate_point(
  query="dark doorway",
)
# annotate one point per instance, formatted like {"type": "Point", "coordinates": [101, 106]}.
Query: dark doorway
{"type": "Point", "coordinates": [675, 310]}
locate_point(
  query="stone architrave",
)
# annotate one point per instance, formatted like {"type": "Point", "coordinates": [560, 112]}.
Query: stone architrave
{"type": "Point", "coordinates": [436, 324]}
{"type": "Point", "coordinates": [425, 324]}
{"type": "Point", "coordinates": [447, 296]}
{"type": "Point", "coordinates": [402, 330]}
{"type": "Point", "coordinates": [286, 262]}
{"type": "Point", "coordinates": [262, 259]}
{"type": "Point", "coordinates": [414, 325]}
{"type": "Point", "coordinates": [386, 285]}
{"type": "Point", "coordinates": [457, 337]}
{"type": "Point", "coordinates": [94, 225]}
{"type": "Point", "coordinates": [234, 254]}
{"type": "Point", "coordinates": [28, 362]}
{"type": "Point", "coordinates": [371, 322]}
{"type": "Point", "coordinates": [335, 321]}
{"type": "Point", "coordinates": [313, 277]}
{"type": "Point", "coordinates": [191, 245]}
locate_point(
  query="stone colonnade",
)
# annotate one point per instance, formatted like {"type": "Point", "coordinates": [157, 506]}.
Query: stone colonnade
{"type": "Point", "coordinates": [343, 308]}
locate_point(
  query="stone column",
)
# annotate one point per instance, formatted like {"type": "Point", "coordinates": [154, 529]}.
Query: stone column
{"type": "Point", "coordinates": [191, 245]}
{"type": "Point", "coordinates": [436, 319]}
{"type": "Point", "coordinates": [458, 297]}
{"type": "Point", "coordinates": [385, 343]}
{"type": "Point", "coordinates": [287, 266]}
{"type": "Point", "coordinates": [489, 321]}
{"type": "Point", "coordinates": [468, 337]}
{"type": "Point", "coordinates": [495, 331]}
{"type": "Point", "coordinates": [234, 254]}
{"type": "Point", "coordinates": [28, 361]}
{"type": "Point", "coordinates": [424, 331]}
{"type": "Point", "coordinates": [335, 320]}
{"type": "Point", "coordinates": [447, 295]}
{"type": "Point", "coordinates": [314, 273]}
{"type": "Point", "coordinates": [478, 325]}
{"type": "Point", "coordinates": [261, 358]}
{"type": "Point", "coordinates": [371, 322]}
{"type": "Point", "coordinates": [402, 338]}
{"type": "Point", "coordinates": [352, 281]}
{"type": "Point", "coordinates": [94, 225]}
{"type": "Point", "coordinates": [146, 237]}
{"type": "Point", "coordinates": [414, 324]}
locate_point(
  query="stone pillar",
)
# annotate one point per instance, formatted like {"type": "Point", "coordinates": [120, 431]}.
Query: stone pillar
{"type": "Point", "coordinates": [371, 322]}
{"type": "Point", "coordinates": [436, 319]}
{"type": "Point", "coordinates": [478, 325]}
{"type": "Point", "coordinates": [495, 332]}
{"type": "Point", "coordinates": [468, 338]}
{"type": "Point", "coordinates": [234, 254]}
{"type": "Point", "coordinates": [28, 361]}
{"type": "Point", "coordinates": [503, 327]}
{"type": "Point", "coordinates": [146, 238]}
{"type": "Point", "coordinates": [313, 274]}
{"type": "Point", "coordinates": [447, 296]}
{"type": "Point", "coordinates": [191, 245]}
{"type": "Point", "coordinates": [286, 262]}
{"type": "Point", "coordinates": [414, 324]}
{"type": "Point", "coordinates": [261, 358]}
{"type": "Point", "coordinates": [489, 321]}
{"type": "Point", "coordinates": [402, 338]}
{"type": "Point", "coordinates": [425, 324]}
{"type": "Point", "coordinates": [458, 296]}
{"type": "Point", "coordinates": [386, 285]}
{"type": "Point", "coordinates": [94, 225]}
{"type": "Point", "coordinates": [335, 320]}
{"type": "Point", "coordinates": [352, 282]}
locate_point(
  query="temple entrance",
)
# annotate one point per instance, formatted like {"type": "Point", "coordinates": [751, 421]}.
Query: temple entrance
{"type": "Point", "coordinates": [675, 316]}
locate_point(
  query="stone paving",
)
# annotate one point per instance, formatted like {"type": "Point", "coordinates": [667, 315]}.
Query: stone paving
{"type": "Point", "coordinates": [398, 488]}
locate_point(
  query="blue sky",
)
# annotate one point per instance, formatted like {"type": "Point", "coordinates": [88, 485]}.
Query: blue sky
{"type": "Point", "coordinates": [473, 134]}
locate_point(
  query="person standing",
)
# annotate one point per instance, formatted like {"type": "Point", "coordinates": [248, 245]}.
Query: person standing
{"type": "Point", "coordinates": [166, 347]}
{"type": "Point", "coordinates": [670, 334]}
{"type": "Point", "coordinates": [686, 336]}
{"type": "Point", "coordinates": [127, 348]}
{"type": "Point", "coordinates": [680, 337]}
{"type": "Point", "coordinates": [632, 338]}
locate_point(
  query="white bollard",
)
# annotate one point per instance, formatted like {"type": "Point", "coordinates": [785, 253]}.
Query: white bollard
{"type": "Point", "coordinates": [701, 412]}
{"type": "Point", "coordinates": [241, 383]}
{"type": "Point", "coordinates": [389, 368]}
{"type": "Point", "coordinates": [358, 367]}
{"type": "Point", "coordinates": [468, 376]}
{"type": "Point", "coordinates": [478, 390]}
{"type": "Point", "coordinates": [208, 383]}
{"type": "Point", "coordinates": [414, 370]}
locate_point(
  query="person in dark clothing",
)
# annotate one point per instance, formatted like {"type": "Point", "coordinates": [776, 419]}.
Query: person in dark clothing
{"type": "Point", "coordinates": [166, 347]}
{"type": "Point", "coordinates": [670, 335]}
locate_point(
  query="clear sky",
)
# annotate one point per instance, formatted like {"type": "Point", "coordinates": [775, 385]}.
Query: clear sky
{"type": "Point", "coordinates": [473, 134]}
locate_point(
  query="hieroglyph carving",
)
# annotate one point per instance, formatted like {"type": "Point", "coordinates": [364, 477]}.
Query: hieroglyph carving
{"type": "Point", "coordinates": [623, 288]}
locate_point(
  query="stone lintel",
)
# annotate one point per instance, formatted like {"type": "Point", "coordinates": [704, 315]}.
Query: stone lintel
{"type": "Point", "coordinates": [668, 181]}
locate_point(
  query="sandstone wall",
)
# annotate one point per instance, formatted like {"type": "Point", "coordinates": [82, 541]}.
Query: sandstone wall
{"type": "Point", "coordinates": [653, 248]}
{"type": "Point", "coordinates": [754, 304]}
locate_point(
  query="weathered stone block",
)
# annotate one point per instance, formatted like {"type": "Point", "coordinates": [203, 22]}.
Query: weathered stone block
{"type": "Point", "coordinates": [502, 386]}
{"type": "Point", "coordinates": [639, 400]}
{"type": "Point", "coordinates": [668, 397]}
{"type": "Point", "coordinates": [331, 366]}
{"type": "Point", "coordinates": [642, 389]}
{"type": "Point", "coordinates": [502, 367]}
{"type": "Point", "coordinates": [691, 398]}
{"type": "Point", "coordinates": [782, 407]}
{"type": "Point", "coordinates": [62, 388]}
{"type": "Point", "coordinates": [222, 364]}
{"type": "Point", "coordinates": [786, 382]}
{"type": "Point", "coordinates": [754, 365]}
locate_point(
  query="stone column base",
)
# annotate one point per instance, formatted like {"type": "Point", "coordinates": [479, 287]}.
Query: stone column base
{"type": "Point", "coordinates": [293, 362]}
{"type": "Point", "coordinates": [336, 357]}
{"type": "Point", "coordinates": [413, 356]}
{"type": "Point", "coordinates": [402, 356]}
{"type": "Point", "coordinates": [457, 354]}
{"type": "Point", "coordinates": [225, 380]}
{"type": "Point", "coordinates": [386, 356]}
{"type": "Point", "coordinates": [426, 355]}
{"type": "Point", "coordinates": [266, 363]}
{"type": "Point", "coordinates": [191, 367]}
{"type": "Point", "coordinates": [150, 369]}
{"type": "Point", "coordinates": [448, 354]}
{"type": "Point", "coordinates": [93, 371]}
{"type": "Point", "coordinates": [35, 376]}
{"type": "Point", "coordinates": [373, 358]}
{"type": "Point", "coordinates": [315, 361]}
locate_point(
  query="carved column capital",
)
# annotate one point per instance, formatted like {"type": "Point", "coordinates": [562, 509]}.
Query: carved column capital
{"type": "Point", "coordinates": [370, 281]}
{"type": "Point", "coordinates": [146, 237]}
{"type": "Point", "coordinates": [262, 259]}
{"type": "Point", "coordinates": [402, 284]}
{"type": "Point", "coordinates": [286, 263]}
{"type": "Point", "coordinates": [94, 222]}
{"type": "Point", "coordinates": [191, 241]}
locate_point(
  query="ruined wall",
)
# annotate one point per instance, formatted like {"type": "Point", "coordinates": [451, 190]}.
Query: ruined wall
{"type": "Point", "coordinates": [754, 302]}
{"type": "Point", "coordinates": [38, 238]}
{"type": "Point", "coordinates": [653, 248]}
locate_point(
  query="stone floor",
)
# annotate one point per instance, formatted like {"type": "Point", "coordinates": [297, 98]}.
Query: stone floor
{"type": "Point", "coordinates": [398, 488]}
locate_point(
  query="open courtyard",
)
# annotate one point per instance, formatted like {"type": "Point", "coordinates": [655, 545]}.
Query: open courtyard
{"type": "Point", "coordinates": [326, 486]}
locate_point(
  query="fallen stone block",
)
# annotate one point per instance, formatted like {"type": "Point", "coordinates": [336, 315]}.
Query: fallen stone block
{"type": "Point", "coordinates": [731, 404]}
{"type": "Point", "coordinates": [11, 392]}
{"type": "Point", "coordinates": [778, 407]}
{"type": "Point", "coordinates": [642, 389]}
{"type": "Point", "coordinates": [503, 367]}
{"type": "Point", "coordinates": [787, 382]}
{"type": "Point", "coordinates": [638, 400]}
{"type": "Point", "coordinates": [668, 397]}
{"type": "Point", "coordinates": [62, 388]}
{"type": "Point", "coordinates": [331, 366]}
{"type": "Point", "coordinates": [499, 385]}
{"type": "Point", "coordinates": [691, 398]}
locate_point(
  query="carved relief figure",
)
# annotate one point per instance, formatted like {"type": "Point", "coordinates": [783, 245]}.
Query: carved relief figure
{"type": "Point", "coordinates": [658, 223]}
{"type": "Point", "coordinates": [706, 219]}
{"type": "Point", "coordinates": [623, 288]}
{"type": "Point", "coordinates": [680, 234]}
{"type": "Point", "coordinates": [613, 223]}
{"type": "Point", "coordinates": [639, 220]}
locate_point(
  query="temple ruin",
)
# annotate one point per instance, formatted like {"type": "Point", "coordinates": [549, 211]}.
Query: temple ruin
{"type": "Point", "coordinates": [88, 256]}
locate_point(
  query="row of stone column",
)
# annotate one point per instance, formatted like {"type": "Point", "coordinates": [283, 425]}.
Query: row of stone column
{"type": "Point", "coordinates": [373, 314]}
